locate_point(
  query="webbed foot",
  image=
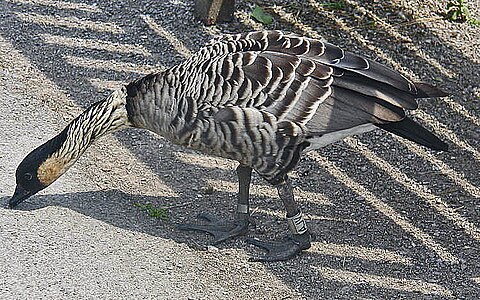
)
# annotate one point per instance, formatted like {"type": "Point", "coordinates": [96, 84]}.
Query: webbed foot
{"type": "Point", "coordinates": [221, 230]}
{"type": "Point", "coordinates": [284, 250]}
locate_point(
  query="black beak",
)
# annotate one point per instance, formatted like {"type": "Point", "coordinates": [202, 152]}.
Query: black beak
{"type": "Point", "coordinates": [18, 197]}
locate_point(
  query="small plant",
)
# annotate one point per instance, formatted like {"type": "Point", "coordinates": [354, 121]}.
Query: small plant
{"type": "Point", "coordinates": [457, 10]}
{"type": "Point", "coordinates": [334, 5]}
{"type": "Point", "coordinates": [261, 16]}
{"type": "Point", "coordinates": [152, 211]}
{"type": "Point", "coordinates": [208, 190]}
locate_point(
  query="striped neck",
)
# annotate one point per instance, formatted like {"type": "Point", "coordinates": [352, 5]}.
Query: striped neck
{"type": "Point", "coordinates": [101, 118]}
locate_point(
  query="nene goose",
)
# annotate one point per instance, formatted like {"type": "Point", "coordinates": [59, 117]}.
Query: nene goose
{"type": "Point", "coordinates": [260, 98]}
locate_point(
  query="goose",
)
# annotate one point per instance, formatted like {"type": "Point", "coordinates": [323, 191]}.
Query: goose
{"type": "Point", "coordinates": [261, 98]}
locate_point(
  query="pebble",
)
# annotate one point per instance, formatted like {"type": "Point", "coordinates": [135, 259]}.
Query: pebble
{"type": "Point", "coordinates": [211, 248]}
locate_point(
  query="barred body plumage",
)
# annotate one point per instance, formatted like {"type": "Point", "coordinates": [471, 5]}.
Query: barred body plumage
{"type": "Point", "coordinates": [261, 98]}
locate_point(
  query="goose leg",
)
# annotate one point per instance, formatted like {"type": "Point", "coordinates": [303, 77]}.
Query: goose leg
{"type": "Point", "coordinates": [300, 235]}
{"type": "Point", "coordinates": [223, 230]}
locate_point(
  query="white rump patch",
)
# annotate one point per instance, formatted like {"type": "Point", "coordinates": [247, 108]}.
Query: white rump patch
{"type": "Point", "coordinates": [332, 137]}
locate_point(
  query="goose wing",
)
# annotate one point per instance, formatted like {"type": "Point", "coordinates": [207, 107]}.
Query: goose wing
{"type": "Point", "coordinates": [308, 82]}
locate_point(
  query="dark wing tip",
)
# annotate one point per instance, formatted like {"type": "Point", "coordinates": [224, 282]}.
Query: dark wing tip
{"type": "Point", "coordinates": [411, 130]}
{"type": "Point", "coordinates": [425, 90]}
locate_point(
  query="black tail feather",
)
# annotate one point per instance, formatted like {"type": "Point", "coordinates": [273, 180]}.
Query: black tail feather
{"type": "Point", "coordinates": [409, 129]}
{"type": "Point", "coordinates": [425, 90]}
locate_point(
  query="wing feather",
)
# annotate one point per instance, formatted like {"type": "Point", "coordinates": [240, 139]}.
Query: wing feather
{"type": "Point", "coordinates": [319, 85]}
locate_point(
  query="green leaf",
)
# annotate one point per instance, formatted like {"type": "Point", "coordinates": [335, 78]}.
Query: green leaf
{"type": "Point", "coordinates": [474, 22]}
{"type": "Point", "coordinates": [261, 16]}
{"type": "Point", "coordinates": [455, 15]}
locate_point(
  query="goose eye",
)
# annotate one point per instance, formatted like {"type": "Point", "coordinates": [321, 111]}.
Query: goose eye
{"type": "Point", "coordinates": [28, 176]}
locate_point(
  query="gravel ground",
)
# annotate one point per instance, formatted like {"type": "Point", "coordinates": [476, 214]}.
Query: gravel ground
{"type": "Point", "coordinates": [392, 220]}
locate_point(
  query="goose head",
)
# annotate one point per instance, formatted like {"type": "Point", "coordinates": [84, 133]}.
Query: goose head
{"type": "Point", "coordinates": [38, 170]}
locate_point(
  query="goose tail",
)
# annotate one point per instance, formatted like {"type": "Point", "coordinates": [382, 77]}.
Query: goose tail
{"type": "Point", "coordinates": [411, 130]}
